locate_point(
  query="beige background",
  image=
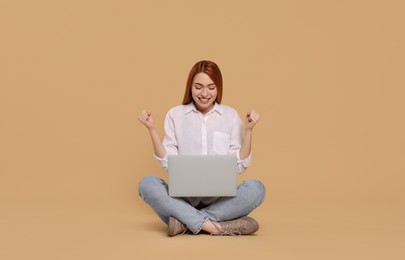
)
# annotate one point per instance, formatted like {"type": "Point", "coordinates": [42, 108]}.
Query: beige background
{"type": "Point", "coordinates": [326, 76]}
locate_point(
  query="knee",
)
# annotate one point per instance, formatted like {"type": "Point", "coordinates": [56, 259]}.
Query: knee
{"type": "Point", "coordinates": [256, 189]}
{"type": "Point", "coordinates": [147, 185]}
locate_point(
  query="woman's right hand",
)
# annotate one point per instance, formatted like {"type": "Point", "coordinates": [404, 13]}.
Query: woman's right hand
{"type": "Point", "coordinates": [145, 117]}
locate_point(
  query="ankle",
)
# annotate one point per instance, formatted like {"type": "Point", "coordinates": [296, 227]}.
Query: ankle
{"type": "Point", "coordinates": [212, 227]}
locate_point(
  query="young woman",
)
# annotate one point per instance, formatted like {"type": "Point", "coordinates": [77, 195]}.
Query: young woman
{"type": "Point", "coordinates": [202, 125]}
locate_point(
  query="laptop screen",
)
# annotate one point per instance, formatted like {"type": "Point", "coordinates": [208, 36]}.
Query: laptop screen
{"type": "Point", "coordinates": [202, 175]}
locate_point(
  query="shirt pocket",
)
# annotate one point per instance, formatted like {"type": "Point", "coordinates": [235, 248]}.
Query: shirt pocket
{"type": "Point", "coordinates": [222, 142]}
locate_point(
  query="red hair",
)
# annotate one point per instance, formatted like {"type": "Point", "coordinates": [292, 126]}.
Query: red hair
{"type": "Point", "coordinates": [209, 68]}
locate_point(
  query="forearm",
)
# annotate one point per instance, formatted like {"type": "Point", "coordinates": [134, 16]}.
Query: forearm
{"type": "Point", "coordinates": [158, 148]}
{"type": "Point", "coordinates": [246, 147]}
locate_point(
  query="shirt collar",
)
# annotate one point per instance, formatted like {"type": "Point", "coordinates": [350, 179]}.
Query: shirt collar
{"type": "Point", "coordinates": [191, 107]}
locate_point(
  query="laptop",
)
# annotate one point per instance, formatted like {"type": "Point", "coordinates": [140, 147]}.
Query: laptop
{"type": "Point", "coordinates": [202, 175]}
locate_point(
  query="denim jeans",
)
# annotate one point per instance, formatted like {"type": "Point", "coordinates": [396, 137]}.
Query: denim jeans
{"type": "Point", "coordinates": [193, 213]}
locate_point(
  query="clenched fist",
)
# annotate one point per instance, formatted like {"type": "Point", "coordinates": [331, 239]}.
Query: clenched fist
{"type": "Point", "coordinates": [252, 117]}
{"type": "Point", "coordinates": [145, 117]}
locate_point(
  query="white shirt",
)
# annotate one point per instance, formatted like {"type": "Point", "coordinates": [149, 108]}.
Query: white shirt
{"type": "Point", "coordinates": [188, 131]}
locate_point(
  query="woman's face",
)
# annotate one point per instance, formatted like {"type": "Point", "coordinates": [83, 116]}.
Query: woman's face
{"type": "Point", "coordinates": [204, 92]}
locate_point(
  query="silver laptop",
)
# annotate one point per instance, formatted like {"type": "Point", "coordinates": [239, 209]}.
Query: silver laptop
{"type": "Point", "coordinates": [202, 175]}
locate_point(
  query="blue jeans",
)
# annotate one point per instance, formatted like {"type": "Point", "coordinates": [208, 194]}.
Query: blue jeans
{"type": "Point", "coordinates": [195, 212]}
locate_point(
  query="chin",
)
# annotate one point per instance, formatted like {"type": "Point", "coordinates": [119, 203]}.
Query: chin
{"type": "Point", "coordinates": [206, 105]}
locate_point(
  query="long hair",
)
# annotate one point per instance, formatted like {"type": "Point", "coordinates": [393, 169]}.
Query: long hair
{"type": "Point", "coordinates": [209, 68]}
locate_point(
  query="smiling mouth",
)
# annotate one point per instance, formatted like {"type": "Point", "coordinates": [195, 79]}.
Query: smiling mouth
{"type": "Point", "coordinates": [204, 100]}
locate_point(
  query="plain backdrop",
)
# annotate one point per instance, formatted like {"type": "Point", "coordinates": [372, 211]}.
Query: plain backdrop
{"type": "Point", "coordinates": [327, 78]}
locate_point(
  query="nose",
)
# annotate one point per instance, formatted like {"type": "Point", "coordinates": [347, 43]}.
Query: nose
{"type": "Point", "coordinates": [204, 92]}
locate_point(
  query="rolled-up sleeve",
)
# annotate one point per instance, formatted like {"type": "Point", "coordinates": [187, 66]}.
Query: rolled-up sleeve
{"type": "Point", "coordinates": [162, 161]}
{"type": "Point", "coordinates": [243, 164]}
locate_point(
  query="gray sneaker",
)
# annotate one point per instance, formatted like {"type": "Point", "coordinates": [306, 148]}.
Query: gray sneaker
{"type": "Point", "coordinates": [240, 226]}
{"type": "Point", "coordinates": [176, 227]}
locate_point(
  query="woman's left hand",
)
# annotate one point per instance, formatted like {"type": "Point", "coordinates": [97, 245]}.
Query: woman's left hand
{"type": "Point", "coordinates": [251, 120]}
